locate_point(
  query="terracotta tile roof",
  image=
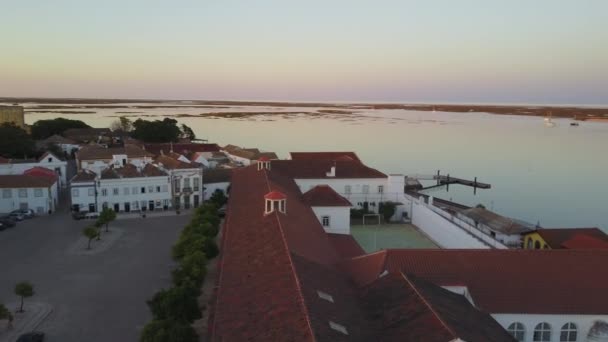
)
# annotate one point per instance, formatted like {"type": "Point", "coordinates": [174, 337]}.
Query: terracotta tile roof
{"type": "Point", "coordinates": [181, 148]}
{"type": "Point", "coordinates": [217, 176]}
{"type": "Point", "coordinates": [249, 153]}
{"type": "Point", "coordinates": [131, 171]}
{"type": "Point", "coordinates": [24, 181]}
{"type": "Point", "coordinates": [172, 163]}
{"type": "Point", "coordinates": [39, 171]}
{"type": "Point", "coordinates": [318, 169]}
{"type": "Point", "coordinates": [546, 279]}
{"type": "Point", "coordinates": [555, 237]}
{"type": "Point", "coordinates": [346, 245]}
{"type": "Point", "coordinates": [324, 196]}
{"type": "Point", "coordinates": [405, 308]}
{"type": "Point", "coordinates": [83, 175]}
{"type": "Point", "coordinates": [326, 156]}
{"type": "Point", "coordinates": [94, 152]}
{"type": "Point", "coordinates": [496, 222]}
{"type": "Point", "coordinates": [582, 241]}
{"type": "Point", "coordinates": [58, 139]}
{"type": "Point", "coordinates": [85, 134]}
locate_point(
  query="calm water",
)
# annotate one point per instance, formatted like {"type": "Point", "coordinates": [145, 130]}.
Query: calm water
{"type": "Point", "coordinates": [555, 176]}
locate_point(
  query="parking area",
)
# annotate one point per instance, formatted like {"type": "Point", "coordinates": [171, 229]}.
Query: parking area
{"type": "Point", "coordinates": [97, 296]}
{"type": "Point", "coordinates": [376, 237]}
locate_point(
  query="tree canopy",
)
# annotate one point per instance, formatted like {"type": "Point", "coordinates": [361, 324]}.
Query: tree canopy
{"type": "Point", "coordinates": [166, 130]}
{"type": "Point", "coordinates": [15, 142]}
{"type": "Point", "coordinates": [176, 303]}
{"type": "Point", "coordinates": [43, 129]}
{"type": "Point", "coordinates": [24, 290]}
{"type": "Point", "coordinates": [168, 331]}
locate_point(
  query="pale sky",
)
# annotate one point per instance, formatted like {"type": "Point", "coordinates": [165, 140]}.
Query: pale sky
{"type": "Point", "coordinates": [517, 51]}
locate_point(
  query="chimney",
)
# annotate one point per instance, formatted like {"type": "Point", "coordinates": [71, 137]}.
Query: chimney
{"type": "Point", "coordinates": [332, 172]}
{"type": "Point", "coordinates": [275, 201]}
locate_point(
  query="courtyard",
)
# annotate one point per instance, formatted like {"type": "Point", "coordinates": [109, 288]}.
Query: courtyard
{"type": "Point", "coordinates": [95, 296]}
{"type": "Point", "coordinates": [375, 237]}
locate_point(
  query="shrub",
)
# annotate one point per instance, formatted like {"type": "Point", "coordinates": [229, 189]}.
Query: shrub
{"type": "Point", "coordinates": [177, 303]}
{"type": "Point", "coordinates": [168, 331]}
{"type": "Point", "coordinates": [191, 267]}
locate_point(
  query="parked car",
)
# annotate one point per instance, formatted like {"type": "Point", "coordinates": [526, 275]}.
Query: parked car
{"type": "Point", "coordinates": [27, 213]}
{"type": "Point", "coordinates": [34, 336]}
{"type": "Point", "coordinates": [91, 215]}
{"type": "Point", "coordinates": [7, 222]}
{"type": "Point", "coordinates": [16, 216]}
{"type": "Point", "coordinates": [2, 227]}
{"type": "Point", "coordinates": [77, 215]}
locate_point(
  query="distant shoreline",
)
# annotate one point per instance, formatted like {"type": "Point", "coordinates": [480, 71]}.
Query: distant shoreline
{"type": "Point", "coordinates": [573, 112]}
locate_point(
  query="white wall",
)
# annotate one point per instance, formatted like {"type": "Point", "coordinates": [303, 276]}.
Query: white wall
{"type": "Point", "coordinates": [55, 165]}
{"type": "Point", "coordinates": [97, 165]}
{"type": "Point", "coordinates": [583, 323]}
{"type": "Point", "coordinates": [83, 194]}
{"type": "Point", "coordinates": [211, 187]}
{"type": "Point", "coordinates": [339, 219]}
{"type": "Point", "coordinates": [441, 230]}
{"type": "Point", "coordinates": [357, 187]}
{"type": "Point", "coordinates": [41, 205]}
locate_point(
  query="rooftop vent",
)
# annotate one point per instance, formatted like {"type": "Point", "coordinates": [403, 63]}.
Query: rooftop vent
{"type": "Point", "coordinates": [275, 201]}
{"type": "Point", "coordinates": [263, 163]}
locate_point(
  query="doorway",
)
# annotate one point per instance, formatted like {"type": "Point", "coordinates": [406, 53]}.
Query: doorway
{"type": "Point", "coordinates": [127, 207]}
{"type": "Point", "coordinates": [151, 205]}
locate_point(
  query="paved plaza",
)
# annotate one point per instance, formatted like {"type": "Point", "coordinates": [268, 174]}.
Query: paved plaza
{"type": "Point", "coordinates": [94, 296]}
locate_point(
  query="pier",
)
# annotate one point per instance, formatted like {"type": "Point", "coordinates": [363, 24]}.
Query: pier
{"type": "Point", "coordinates": [446, 180]}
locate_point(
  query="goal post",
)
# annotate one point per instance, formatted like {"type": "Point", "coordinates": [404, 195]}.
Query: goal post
{"type": "Point", "coordinates": [377, 216]}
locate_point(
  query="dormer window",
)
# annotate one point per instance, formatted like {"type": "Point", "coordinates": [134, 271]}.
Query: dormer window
{"type": "Point", "coordinates": [275, 201]}
{"type": "Point", "coordinates": [263, 163]}
{"type": "Point", "coordinates": [338, 327]}
{"type": "Point", "coordinates": [325, 296]}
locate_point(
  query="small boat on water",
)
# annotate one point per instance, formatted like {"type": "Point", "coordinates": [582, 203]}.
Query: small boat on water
{"type": "Point", "coordinates": [574, 124]}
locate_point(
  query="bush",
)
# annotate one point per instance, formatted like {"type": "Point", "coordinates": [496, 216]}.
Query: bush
{"type": "Point", "coordinates": [387, 210]}
{"type": "Point", "coordinates": [358, 213]}
{"type": "Point", "coordinates": [177, 303]}
{"type": "Point", "coordinates": [191, 267]}
{"type": "Point", "coordinates": [168, 331]}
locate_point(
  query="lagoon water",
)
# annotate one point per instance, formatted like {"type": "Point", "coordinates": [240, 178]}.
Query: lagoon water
{"type": "Point", "coordinates": [557, 177]}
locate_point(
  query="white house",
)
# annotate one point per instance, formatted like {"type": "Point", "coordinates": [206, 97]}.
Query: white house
{"type": "Point", "coordinates": [216, 179]}
{"type": "Point", "coordinates": [97, 158]}
{"type": "Point", "coordinates": [246, 156]}
{"type": "Point", "coordinates": [28, 192]}
{"type": "Point", "coordinates": [186, 180]}
{"type": "Point", "coordinates": [124, 189]}
{"type": "Point", "coordinates": [47, 161]}
{"type": "Point", "coordinates": [332, 210]}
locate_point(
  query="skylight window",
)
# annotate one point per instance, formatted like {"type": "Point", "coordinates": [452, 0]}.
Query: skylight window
{"type": "Point", "coordinates": [325, 296]}
{"type": "Point", "coordinates": [338, 327]}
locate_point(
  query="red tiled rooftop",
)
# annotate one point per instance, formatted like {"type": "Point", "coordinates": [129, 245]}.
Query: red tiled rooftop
{"type": "Point", "coordinates": [324, 196]}
{"type": "Point", "coordinates": [346, 245]}
{"type": "Point", "coordinates": [38, 171]}
{"type": "Point", "coordinates": [319, 169]}
{"type": "Point", "coordinates": [326, 156]}
{"type": "Point", "coordinates": [504, 281]}
{"type": "Point", "coordinates": [555, 237]}
{"type": "Point", "coordinates": [583, 241]}
{"type": "Point", "coordinates": [24, 181]}
{"type": "Point", "coordinates": [275, 195]}
{"type": "Point", "coordinates": [181, 148]}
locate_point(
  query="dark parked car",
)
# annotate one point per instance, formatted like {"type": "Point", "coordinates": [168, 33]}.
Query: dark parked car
{"type": "Point", "coordinates": [77, 215]}
{"type": "Point", "coordinates": [16, 216]}
{"type": "Point", "coordinates": [27, 213]}
{"type": "Point", "coordinates": [34, 336]}
{"type": "Point", "coordinates": [7, 222]}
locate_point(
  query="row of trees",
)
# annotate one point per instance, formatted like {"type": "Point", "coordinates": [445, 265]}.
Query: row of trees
{"type": "Point", "coordinates": [24, 290]}
{"type": "Point", "coordinates": [175, 309]}
{"type": "Point", "coordinates": [166, 130]}
{"type": "Point", "coordinates": [106, 216]}
{"type": "Point", "coordinates": [43, 129]}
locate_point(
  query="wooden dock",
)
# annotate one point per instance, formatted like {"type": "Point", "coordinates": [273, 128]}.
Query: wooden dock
{"type": "Point", "coordinates": [447, 180]}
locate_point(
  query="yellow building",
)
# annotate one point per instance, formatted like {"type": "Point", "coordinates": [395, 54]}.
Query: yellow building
{"type": "Point", "coordinates": [12, 114]}
{"type": "Point", "coordinates": [565, 238]}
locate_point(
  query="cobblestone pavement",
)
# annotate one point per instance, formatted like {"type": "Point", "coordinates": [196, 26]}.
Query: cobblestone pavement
{"type": "Point", "coordinates": [94, 297]}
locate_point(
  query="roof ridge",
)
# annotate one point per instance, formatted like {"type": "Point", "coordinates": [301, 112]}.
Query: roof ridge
{"type": "Point", "coordinates": [293, 268]}
{"type": "Point", "coordinates": [429, 306]}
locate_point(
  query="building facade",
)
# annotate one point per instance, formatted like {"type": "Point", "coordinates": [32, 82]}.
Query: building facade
{"type": "Point", "coordinates": [28, 192]}
{"type": "Point", "coordinates": [12, 114]}
{"type": "Point", "coordinates": [47, 161]}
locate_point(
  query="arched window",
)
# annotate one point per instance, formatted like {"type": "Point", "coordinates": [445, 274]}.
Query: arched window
{"type": "Point", "coordinates": [517, 330]}
{"type": "Point", "coordinates": [536, 245]}
{"type": "Point", "coordinates": [568, 333]}
{"type": "Point", "coordinates": [542, 332]}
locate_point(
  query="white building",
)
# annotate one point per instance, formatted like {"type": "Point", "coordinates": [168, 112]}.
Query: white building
{"type": "Point", "coordinates": [28, 192]}
{"type": "Point", "coordinates": [332, 210]}
{"type": "Point", "coordinates": [97, 158]}
{"type": "Point", "coordinates": [216, 179]}
{"type": "Point", "coordinates": [186, 180]}
{"type": "Point", "coordinates": [47, 161]}
{"type": "Point", "coordinates": [124, 189]}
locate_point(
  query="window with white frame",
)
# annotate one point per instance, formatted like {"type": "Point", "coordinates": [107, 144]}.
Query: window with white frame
{"type": "Point", "coordinates": [125, 191]}
{"type": "Point", "coordinates": [134, 190]}
{"type": "Point", "coordinates": [365, 189]}
{"type": "Point", "coordinates": [568, 333]}
{"type": "Point", "coordinates": [37, 192]}
{"type": "Point", "coordinates": [347, 189]}
{"type": "Point", "coordinates": [91, 192]}
{"type": "Point", "coordinates": [23, 193]}
{"type": "Point", "coordinates": [150, 188]}
{"type": "Point", "coordinates": [158, 188]}
{"type": "Point", "coordinates": [186, 182]}
{"type": "Point", "coordinates": [104, 192]}
{"type": "Point", "coordinates": [542, 332]}
{"type": "Point", "coordinates": [195, 183]}
{"type": "Point", "coordinates": [380, 189]}
{"type": "Point", "coordinates": [116, 191]}
{"type": "Point", "coordinates": [325, 221]}
{"type": "Point", "coordinates": [7, 193]}
{"type": "Point", "coordinates": [75, 193]}
{"type": "Point", "coordinates": [518, 331]}
{"type": "Point", "coordinates": [165, 188]}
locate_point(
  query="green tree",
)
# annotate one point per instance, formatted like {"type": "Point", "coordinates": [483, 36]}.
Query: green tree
{"type": "Point", "coordinates": [387, 210]}
{"type": "Point", "coordinates": [15, 142]}
{"type": "Point", "coordinates": [191, 268]}
{"type": "Point", "coordinates": [24, 290]}
{"type": "Point", "coordinates": [218, 198]}
{"type": "Point", "coordinates": [43, 129]}
{"type": "Point", "coordinates": [106, 216]}
{"type": "Point", "coordinates": [187, 133]}
{"type": "Point", "coordinates": [6, 314]}
{"type": "Point", "coordinates": [177, 303]}
{"type": "Point", "coordinates": [156, 131]}
{"type": "Point", "coordinates": [168, 331]}
{"type": "Point", "coordinates": [90, 232]}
